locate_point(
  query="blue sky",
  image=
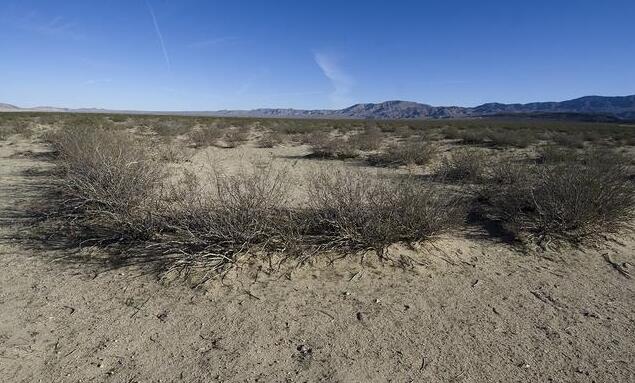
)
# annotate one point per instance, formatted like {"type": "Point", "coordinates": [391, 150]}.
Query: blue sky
{"type": "Point", "coordinates": [207, 55]}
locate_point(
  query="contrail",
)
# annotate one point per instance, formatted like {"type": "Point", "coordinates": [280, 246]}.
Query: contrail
{"type": "Point", "coordinates": [158, 30]}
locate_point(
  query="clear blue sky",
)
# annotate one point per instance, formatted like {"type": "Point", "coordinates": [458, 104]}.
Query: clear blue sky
{"type": "Point", "coordinates": [207, 55]}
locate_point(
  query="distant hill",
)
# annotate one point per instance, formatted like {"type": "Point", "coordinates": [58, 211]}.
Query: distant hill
{"type": "Point", "coordinates": [8, 107]}
{"type": "Point", "coordinates": [591, 108]}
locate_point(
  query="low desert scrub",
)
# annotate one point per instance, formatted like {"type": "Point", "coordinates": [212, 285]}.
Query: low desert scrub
{"type": "Point", "coordinates": [569, 139]}
{"type": "Point", "coordinates": [217, 216]}
{"type": "Point", "coordinates": [553, 154]}
{"type": "Point", "coordinates": [108, 182]}
{"type": "Point", "coordinates": [234, 137]}
{"type": "Point", "coordinates": [174, 152]}
{"type": "Point", "coordinates": [324, 146]}
{"type": "Point", "coordinates": [568, 201]}
{"type": "Point", "coordinates": [205, 136]}
{"type": "Point", "coordinates": [270, 140]}
{"type": "Point", "coordinates": [369, 139]}
{"type": "Point", "coordinates": [408, 153]}
{"type": "Point", "coordinates": [6, 132]}
{"type": "Point", "coordinates": [505, 137]}
{"type": "Point", "coordinates": [465, 165]}
{"type": "Point", "coordinates": [363, 212]}
{"type": "Point", "coordinates": [171, 127]}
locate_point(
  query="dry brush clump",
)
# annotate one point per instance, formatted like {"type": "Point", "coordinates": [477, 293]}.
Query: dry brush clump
{"type": "Point", "coordinates": [215, 217]}
{"type": "Point", "coordinates": [465, 165]}
{"type": "Point", "coordinates": [564, 202]}
{"type": "Point", "coordinates": [206, 136]}
{"type": "Point", "coordinates": [370, 139]}
{"type": "Point", "coordinates": [361, 212]}
{"type": "Point", "coordinates": [407, 153]}
{"type": "Point", "coordinates": [270, 139]}
{"type": "Point", "coordinates": [323, 145]}
{"type": "Point", "coordinates": [109, 184]}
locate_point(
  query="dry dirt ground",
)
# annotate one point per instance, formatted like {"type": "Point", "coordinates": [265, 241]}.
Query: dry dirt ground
{"type": "Point", "coordinates": [473, 309]}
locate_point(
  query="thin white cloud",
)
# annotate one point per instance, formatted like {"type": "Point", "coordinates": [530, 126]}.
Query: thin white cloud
{"type": "Point", "coordinates": [57, 27]}
{"type": "Point", "coordinates": [213, 42]}
{"type": "Point", "coordinates": [159, 35]}
{"type": "Point", "coordinates": [341, 81]}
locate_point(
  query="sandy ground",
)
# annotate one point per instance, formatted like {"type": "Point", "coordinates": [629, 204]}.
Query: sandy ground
{"type": "Point", "coordinates": [472, 310]}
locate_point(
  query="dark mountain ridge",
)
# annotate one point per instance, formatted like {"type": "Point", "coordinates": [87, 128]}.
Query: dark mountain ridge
{"type": "Point", "coordinates": [618, 108]}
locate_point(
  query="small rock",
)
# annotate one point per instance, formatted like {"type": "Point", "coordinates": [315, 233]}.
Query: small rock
{"type": "Point", "coordinates": [360, 316]}
{"type": "Point", "coordinates": [304, 350]}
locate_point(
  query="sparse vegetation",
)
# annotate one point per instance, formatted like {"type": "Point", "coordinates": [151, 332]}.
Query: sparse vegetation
{"type": "Point", "coordinates": [568, 201]}
{"type": "Point", "coordinates": [122, 184]}
{"type": "Point", "coordinates": [410, 153]}
{"type": "Point", "coordinates": [465, 164]}
{"type": "Point", "coordinates": [369, 212]}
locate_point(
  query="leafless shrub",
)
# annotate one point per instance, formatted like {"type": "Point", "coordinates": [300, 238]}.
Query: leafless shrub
{"type": "Point", "coordinates": [234, 137]}
{"type": "Point", "coordinates": [464, 164]}
{"type": "Point", "coordinates": [552, 154]}
{"type": "Point", "coordinates": [109, 182]}
{"type": "Point", "coordinates": [365, 212]}
{"type": "Point", "coordinates": [368, 140]}
{"type": "Point", "coordinates": [568, 139]}
{"type": "Point", "coordinates": [6, 132]}
{"type": "Point", "coordinates": [170, 127]}
{"type": "Point", "coordinates": [410, 153]}
{"type": "Point", "coordinates": [217, 217]}
{"type": "Point", "coordinates": [520, 138]}
{"type": "Point", "coordinates": [270, 140]}
{"type": "Point", "coordinates": [568, 201]}
{"type": "Point", "coordinates": [205, 136]}
{"type": "Point", "coordinates": [325, 146]}
{"type": "Point", "coordinates": [174, 152]}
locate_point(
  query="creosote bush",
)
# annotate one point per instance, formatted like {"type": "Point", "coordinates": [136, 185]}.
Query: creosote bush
{"type": "Point", "coordinates": [371, 213]}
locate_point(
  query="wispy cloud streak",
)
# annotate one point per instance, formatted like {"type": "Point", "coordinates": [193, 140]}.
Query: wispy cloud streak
{"type": "Point", "coordinates": [159, 35]}
{"type": "Point", "coordinates": [341, 81]}
{"type": "Point", "coordinates": [57, 27]}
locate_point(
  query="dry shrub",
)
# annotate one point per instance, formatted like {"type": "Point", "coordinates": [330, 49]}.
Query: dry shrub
{"type": "Point", "coordinates": [363, 212]}
{"type": "Point", "coordinates": [409, 153]}
{"type": "Point", "coordinates": [109, 183]}
{"type": "Point", "coordinates": [464, 164]}
{"type": "Point", "coordinates": [474, 136]}
{"type": "Point", "coordinates": [403, 131]}
{"type": "Point", "coordinates": [167, 127]}
{"type": "Point", "coordinates": [234, 137]}
{"type": "Point", "coordinates": [451, 132]}
{"type": "Point", "coordinates": [553, 154]}
{"type": "Point", "coordinates": [270, 140]}
{"type": "Point", "coordinates": [175, 152]}
{"type": "Point", "coordinates": [217, 216]}
{"type": "Point", "coordinates": [205, 136]}
{"type": "Point", "coordinates": [568, 201]}
{"type": "Point", "coordinates": [520, 138]}
{"type": "Point", "coordinates": [569, 139]}
{"type": "Point", "coordinates": [368, 140]}
{"type": "Point", "coordinates": [6, 132]}
{"type": "Point", "coordinates": [324, 146]}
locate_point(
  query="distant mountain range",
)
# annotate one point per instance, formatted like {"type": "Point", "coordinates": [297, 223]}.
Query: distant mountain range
{"type": "Point", "coordinates": [589, 107]}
